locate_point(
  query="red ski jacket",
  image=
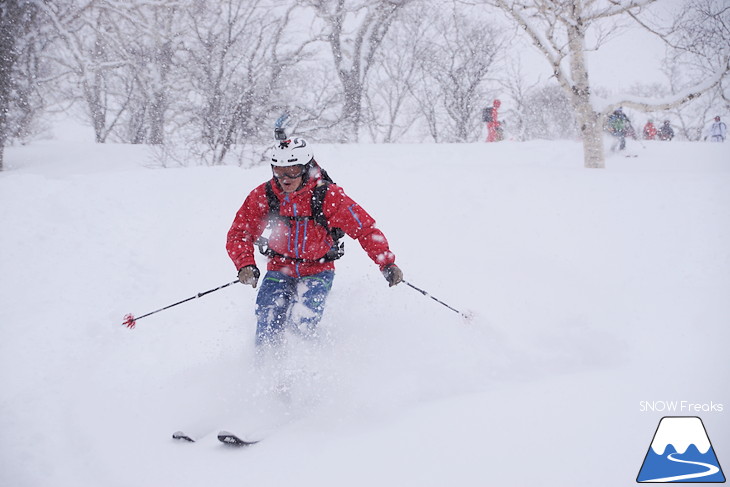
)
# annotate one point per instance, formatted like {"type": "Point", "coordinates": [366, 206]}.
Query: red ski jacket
{"type": "Point", "coordinates": [302, 243]}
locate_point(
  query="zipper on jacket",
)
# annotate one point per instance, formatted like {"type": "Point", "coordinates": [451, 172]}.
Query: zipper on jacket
{"type": "Point", "coordinates": [354, 215]}
{"type": "Point", "coordinates": [296, 234]}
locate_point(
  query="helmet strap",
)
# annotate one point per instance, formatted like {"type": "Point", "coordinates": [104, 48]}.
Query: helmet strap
{"type": "Point", "coordinates": [307, 170]}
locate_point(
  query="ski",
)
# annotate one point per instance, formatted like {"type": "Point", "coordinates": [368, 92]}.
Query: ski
{"type": "Point", "coordinates": [179, 435]}
{"type": "Point", "coordinates": [228, 438]}
{"type": "Point", "coordinates": [224, 437]}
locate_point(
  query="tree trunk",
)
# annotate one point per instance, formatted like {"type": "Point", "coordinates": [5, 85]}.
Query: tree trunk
{"type": "Point", "coordinates": [352, 108]}
{"type": "Point", "coordinates": [354, 56]}
{"type": "Point", "coordinates": [160, 102]}
{"type": "Point", "coordinates": [588, 119]}
{"type": "Point", "coordinates": [9, 20]}
{"type": "Point", "coordinates": [95, 107]}
{"type": "Point", "coordinates": [157, 118]}
{"type": "Point", "coordinates": [592, 134]}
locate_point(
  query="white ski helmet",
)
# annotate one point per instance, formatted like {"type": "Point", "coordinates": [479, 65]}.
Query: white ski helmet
{"type": "Point", "coordinates": [291, 152]}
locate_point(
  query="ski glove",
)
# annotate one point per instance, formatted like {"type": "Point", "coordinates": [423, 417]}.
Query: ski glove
{"type": "Point", "coordinates": [393, 274]}
{"type": "Point", "coordinates": [249, 275]}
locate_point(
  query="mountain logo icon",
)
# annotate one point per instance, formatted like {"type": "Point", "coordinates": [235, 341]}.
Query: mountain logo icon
{"type": "Point", "coordinates": [681, 452]}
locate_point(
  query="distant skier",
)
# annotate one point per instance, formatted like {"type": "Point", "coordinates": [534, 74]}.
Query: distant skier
{"type": "Point", "coordinates": [650, 131]}
{"type": "Point", "coordinates": [666, 132]}
{"type": "Point", "coordinates": [306, 214]}
{"type": "Point", "coordinates": [619, 126]}
{"type": "Point", "coordinates": [717, 131]}
{"type": "Point", "coordinates": [494, 127]}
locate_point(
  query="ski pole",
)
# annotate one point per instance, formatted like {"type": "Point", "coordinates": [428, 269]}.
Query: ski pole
{"type": "Point", "coordinates": [130, 321]}
{"type": "Point", "coordinates": [464, 315]}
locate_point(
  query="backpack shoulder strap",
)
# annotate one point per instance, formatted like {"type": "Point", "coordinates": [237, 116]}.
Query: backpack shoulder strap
{"type": "Point", "coordinates": [272, 199]}
{"type": "Point", "coordinates": [318, 195]}
{"type": "Point", "coordinates": [322, 173]}
{"type": "Point", "coordinates": [338, 248]}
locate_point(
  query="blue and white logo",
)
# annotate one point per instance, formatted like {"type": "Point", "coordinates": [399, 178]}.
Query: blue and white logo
{"type": "Point", "coordinates": [681, 452]}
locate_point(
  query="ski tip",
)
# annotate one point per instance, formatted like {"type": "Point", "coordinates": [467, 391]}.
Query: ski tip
{"type": "Point", "coordinates": [179, 435]}
{"type": "Point", "coordinates": [228, 438]}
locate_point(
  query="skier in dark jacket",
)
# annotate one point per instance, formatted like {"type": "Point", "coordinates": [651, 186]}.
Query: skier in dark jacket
{"type": "Point", "coordinates": [665, 131]}
{"type": "Point", "coordinates": [302, 246]}
{"type": "Point", "coordinates": [619, 126]}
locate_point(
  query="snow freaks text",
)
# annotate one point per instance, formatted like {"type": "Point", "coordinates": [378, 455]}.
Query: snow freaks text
{"type": "Point", "coordinates": [682, 407]}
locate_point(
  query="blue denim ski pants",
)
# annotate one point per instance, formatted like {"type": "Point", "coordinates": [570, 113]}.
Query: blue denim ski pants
{"type": "Point", "coordinates": [290, 303]}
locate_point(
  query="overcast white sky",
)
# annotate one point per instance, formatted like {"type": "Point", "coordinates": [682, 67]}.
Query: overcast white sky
{"type": "Point", "coordinates": [634, 57]}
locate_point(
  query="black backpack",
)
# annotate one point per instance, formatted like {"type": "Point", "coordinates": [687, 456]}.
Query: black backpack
{"type": "Point", "coordinates": [487, 114]}
{"type": "Point", "coordinates": [320, 191]}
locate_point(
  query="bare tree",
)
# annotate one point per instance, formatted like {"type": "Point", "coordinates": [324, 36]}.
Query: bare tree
{"type": "Point", "coordinates": [29, 81]}
{"type": "Point", "coordinates": [235, 61]}
{"type": "Point", "coordinates": [150, 36]}
{"type": "Point", "coordinates": [8, 26]}
{"type": "Point", "coordinates": [697, 50]}
{"type": "Point", "coordinates": [700, 38]}
{"type": "Point", "coordinates": [430, 112]}
{"type": "Point", "coordinates": [391, 109]}
{"type": "Point", "coordinates": [222, 61]}
{"type": "Point", "coordinates": [355, 32]}
{"type": "Point", "coordinates": [117, 59]}
{"type": "Point", "coordinates": [548, 115]}
{"type": "Point", "coordinates": [559, 30]}
{"type": "Point", "coordinates": [458, 58]}
{"type": "Point", "coordinates": [91, 56]}
{"type": "Point", "coordinates": [309, 91]}
{"type": "Point", "coordinates": [17, 17]}
{"type": "Point", "coordinates": [697, 63]}
{"type": "Point", "coordinates": [517, 87]}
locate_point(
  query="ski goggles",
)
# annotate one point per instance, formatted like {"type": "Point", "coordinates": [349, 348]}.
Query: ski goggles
{"type": "Point", "coordinates": [291, 172]}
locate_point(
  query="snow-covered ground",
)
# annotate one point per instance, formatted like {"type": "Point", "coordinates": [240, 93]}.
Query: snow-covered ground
{"type": "Point", "coordinates": [593, 290]}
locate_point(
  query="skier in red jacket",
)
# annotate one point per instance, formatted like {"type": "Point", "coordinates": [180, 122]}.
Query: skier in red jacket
{"type": "Point", "coordinates": [305, 213]}
{"type": "Point", "coordinates": [494, 127]}
{"type": "Point", "coordinates": [650, 131]}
